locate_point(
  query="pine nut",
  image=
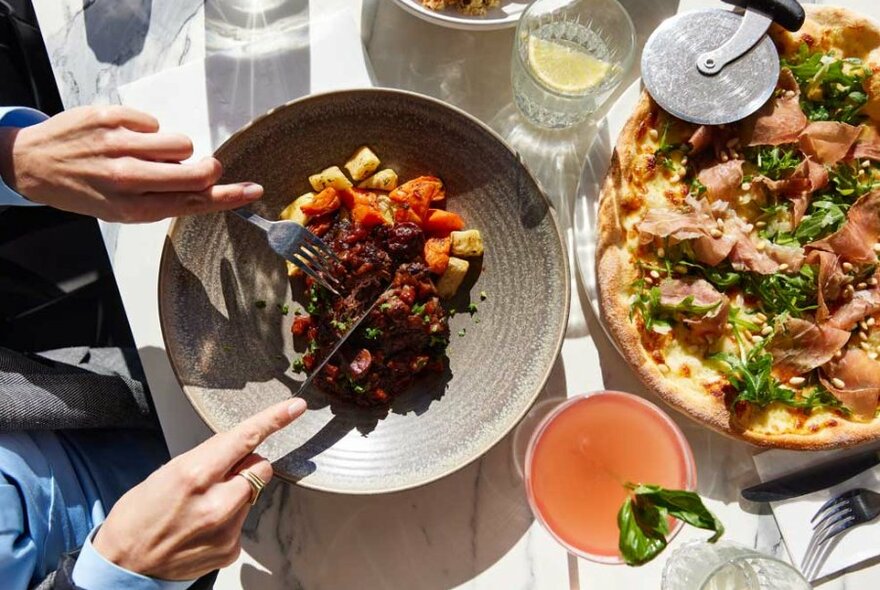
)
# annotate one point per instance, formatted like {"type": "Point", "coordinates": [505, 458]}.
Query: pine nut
{"type": "Point", "coordinates": [674, 178]}
{"type": "Point", "coordinates": [766, 331]}
{"type": "Point", "coordinates": [760, 317]}
{"type": "Point", "coordinates": [760, 246]}
{"type": "Point", "coordinates": [847, 267]}
{"type": "Point", "coordinates": [783, 267]}
{"type": "Point", "coordinates": [719, 222]}
{"type": "Point", "coordinates": [863, 335]}
{"type": "Point", "coordinates": [746, 186]}
{"type": "Point", "coordinates": [796, 381]}
{"type": "Point", "coordinates": [760, 224]}
{"type": "Point", "coordinates": [872, 355]}
{"type": "Point", "coordinates": [862, 286]}
{"type": "Point", "coordinates": [724, 157]}
{"type": "Point", "coordinates": [872, 281]}
{"type": "Point", "coordinates": [758, 339]}
{"type": "Point", "coordinates": [866, 163]}
{"type": "Point", "coordinates": [655, 275]}
{"type": "Point", "coordinates": [870, 322]}
{"type": "Point", "coordinates": [877, 247]}
{"type": "Point", "coordinates": [838, 383]}
{"type": "Point", "coordinates": [715, 232]}
{"type": "Point", "coordinates": [661, 252]}
{"type": "Point", "coordinates": [654, 134]}
{"type": "Point", "coordinates": [684, 161]}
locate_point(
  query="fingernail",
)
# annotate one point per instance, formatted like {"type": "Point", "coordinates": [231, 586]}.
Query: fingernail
{"type": "Point", "coordinates": [297, 407]}
{"type": "Point", "coordinates": [252, 190]}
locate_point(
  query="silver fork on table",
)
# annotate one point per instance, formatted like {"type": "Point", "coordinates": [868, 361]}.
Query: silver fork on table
{"type": "Point", "coordinates": [295, 243]}
{"type": "Point", "coordinates": [843, 512]}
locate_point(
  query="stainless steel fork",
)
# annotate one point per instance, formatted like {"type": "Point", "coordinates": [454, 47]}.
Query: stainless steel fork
{"type": "Point", "coordinates": [295, 243]}
{"type": "Point", "coordinates": [843, 512]}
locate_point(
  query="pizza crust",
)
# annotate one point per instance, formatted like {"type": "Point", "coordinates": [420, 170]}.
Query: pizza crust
{"type": "Point", "coordinates": [861, 37]}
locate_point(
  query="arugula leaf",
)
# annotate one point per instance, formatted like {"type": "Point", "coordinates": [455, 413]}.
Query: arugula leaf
{"type": "Point", "coordinates": [752, 378]}
{"type": "Point", "coordinates": [827, 214]}
{"type": "Point", "coordinates": [832, 88]}
{"type": "Point", "coordinates": [697, 188]}
{"type": "Point", "coordinates": [643, 520]}
{"type": "Point", "coordinates": [774, 161]}
{"type": "Point", "coordinates": [783, 293]}
{"type": "Point", "coordinates": [648, 303]}
{"type": "Point", "coordinates": [845, 178]}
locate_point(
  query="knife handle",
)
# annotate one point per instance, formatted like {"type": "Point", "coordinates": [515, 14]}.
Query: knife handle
{"type": "Point", "coordinates": [789, 14]}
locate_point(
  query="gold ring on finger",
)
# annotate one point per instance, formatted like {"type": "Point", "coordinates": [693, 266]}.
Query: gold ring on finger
{"type": "Point", "coordinates": [257, 484]}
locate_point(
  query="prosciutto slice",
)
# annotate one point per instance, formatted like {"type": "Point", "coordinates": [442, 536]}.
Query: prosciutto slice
{"type": "Point", "coordinates": [863, 304]}
{"type": "Point", "coordinates": [780, 120]}
{"type": "Point", "coordinates": [696, 224]}
{"type": "Point", "coordinates": [855, 240]}
{"type": "Point", "coordinates": [722, 180]}
{"type": "Point", "coordinates": [700, 139]}
{"type": "Point", "coordinates": [746, 256]}
{"type": "Point", "coordinates": [828, 142]}
{"type": "Point", "coordinates": [831, 281]}
{"type": "Point", "coordinates": [861, 378]}
{"type": "Point", "coordinates": [711, 324]}
{"type": "Point", "coordinates": [809, 177]}
{"type": "Point", "coordinates": [802, 346]}
{"type": "Point", "coordinates": [868, 146]}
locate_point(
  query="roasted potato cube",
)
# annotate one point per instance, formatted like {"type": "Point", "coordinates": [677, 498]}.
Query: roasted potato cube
{"type": "Point", "coordinates": [452, 278]}
{"type": "Point", "coordinates": [363, 163]}
{"type": "Point", "coordinates": [293, 212]}
{"type": "Point", "coordinates": [386, 207]}
{"type": "Point", "coordinates": [383, 180]}
{"type": "Point", "coordinates": [466, 243]}
{"type": "Point", "coordinates": [332, 176]}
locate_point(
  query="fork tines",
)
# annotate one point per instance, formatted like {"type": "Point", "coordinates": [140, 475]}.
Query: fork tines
{"type": "Point", "coordinates": [317, 260]}
{"type": "Point", "coordinates": [834, 517]}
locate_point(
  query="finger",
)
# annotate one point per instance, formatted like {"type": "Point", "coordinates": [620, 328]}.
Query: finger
{"type": "Point", "coordinates": [120, 116]}
{"type": "Point", "coordinates": [133, 175]}
{"type": "Point", "coordinates": [223, 451]}
{"type": "Point", "coordinates": [158, 147]}
{"type": "Point", "coordinates": [155, 206]}
{"type": "Point", "coordinates": [239, 489]}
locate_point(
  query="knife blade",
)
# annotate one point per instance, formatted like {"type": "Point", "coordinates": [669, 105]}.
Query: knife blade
{"type": "Point", "coordinates": [337, 346]}
{"type": "Point", "coordinates": [812, 479]}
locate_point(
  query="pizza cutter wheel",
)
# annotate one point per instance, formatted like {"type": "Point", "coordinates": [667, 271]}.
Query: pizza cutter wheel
{"type": "Point", "coordinates": [716, 66]}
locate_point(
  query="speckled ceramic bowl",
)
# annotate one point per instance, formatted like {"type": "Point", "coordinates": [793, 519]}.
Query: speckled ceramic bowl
{"type": "Point", "coordinates": [232, 358]}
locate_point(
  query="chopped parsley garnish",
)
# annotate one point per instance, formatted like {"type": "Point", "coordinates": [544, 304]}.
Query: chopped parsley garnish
{"type": "Point", "coordinates": [437, 340]}
{"type": "Point", "coordinates": [472, 308]}
{"type": "Point", "coordinates": [418, 309]}
{"type": "Point", "coordinates": [260, 304]}
{"type": "Point", "coordinates": [774, 162]}
{"type": "Point", "coordinates": [339, 325]}
{"type": "Point", "coordinates": [283, 308]}
{"type": "Point", "coordinates": [483, 296]}
{"type": "Point", "coordinates": [753, 380]}
{"type": "Point", "coordinates": [832, 88]}
{"type": "Point", "coordinates": [385, 307]}
{"type": "Point", "coordinates": [298, 366]}
{"type": "Point", "coordinates": [462, 332]}
{"type": "Point", "coordinates": [372, 333]}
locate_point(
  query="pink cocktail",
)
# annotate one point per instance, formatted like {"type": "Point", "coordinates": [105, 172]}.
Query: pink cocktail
{"type": "Point", "coordinates": [583, 453]}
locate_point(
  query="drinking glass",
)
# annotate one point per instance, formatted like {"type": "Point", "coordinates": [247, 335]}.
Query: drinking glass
{"type": "Point", "coordinates": [724, 565]}
{"type": "Point", "coordinates": [605, 431]}
{"type": "Point", "coordinates": [568, 57]}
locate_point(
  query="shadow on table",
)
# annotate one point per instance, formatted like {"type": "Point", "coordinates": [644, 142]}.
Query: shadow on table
{"type": "Point", "coordinates": [437, 536]}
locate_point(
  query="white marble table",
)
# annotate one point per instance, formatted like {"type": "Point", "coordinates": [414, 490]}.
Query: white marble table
{"type": "Point", "coordinates": [472, 529]}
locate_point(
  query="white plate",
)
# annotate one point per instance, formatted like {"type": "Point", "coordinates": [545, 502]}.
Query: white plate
{"type": "Point", "coordinates": [586, 207]}
{"type": "Point", "coordinates": [503, 17]}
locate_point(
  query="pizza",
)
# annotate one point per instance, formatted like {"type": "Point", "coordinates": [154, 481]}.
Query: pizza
{"type": "Point", "coordinates": [738, 264]}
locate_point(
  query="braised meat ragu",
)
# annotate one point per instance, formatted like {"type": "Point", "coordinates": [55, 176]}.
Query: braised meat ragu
{"type": "Point", "coordinates": [394, 242]}
{"type": "Point", "coordinates": [405, 334]}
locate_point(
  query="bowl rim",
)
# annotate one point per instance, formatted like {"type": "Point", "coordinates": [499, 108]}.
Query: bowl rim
{"type": "Point", "coordinates": [460, 22]}
{"type": "Point", "coordinates": [203, 414]}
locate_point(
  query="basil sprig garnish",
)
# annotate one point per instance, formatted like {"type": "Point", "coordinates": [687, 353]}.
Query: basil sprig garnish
{"type": "Point", "coordinates": [643, 520]}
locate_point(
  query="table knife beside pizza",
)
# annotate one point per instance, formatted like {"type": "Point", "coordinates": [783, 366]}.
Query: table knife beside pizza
{"type": "Point", "coordinates": [813, 478]}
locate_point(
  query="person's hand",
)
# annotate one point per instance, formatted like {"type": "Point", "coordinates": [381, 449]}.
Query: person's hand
{"type": "Point", "coordinates": [111, 162]}
{"type": "Point", "coordinates": [185, 519]}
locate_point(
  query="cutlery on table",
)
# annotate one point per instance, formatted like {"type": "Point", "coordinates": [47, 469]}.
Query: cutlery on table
{"type": "Point", "coordinates": [843, 512]}
{"type": "Point", "coordinates": [295, 243]}
{"type": "Point", "coordinates": [812, 479]}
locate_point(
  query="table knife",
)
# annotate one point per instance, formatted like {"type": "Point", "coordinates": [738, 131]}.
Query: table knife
{"type": "Point", "coordinates": [813, 478]}
{"type": "Point", "coordinates": [337, 346]}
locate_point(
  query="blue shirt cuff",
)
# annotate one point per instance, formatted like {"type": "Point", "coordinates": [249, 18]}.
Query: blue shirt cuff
{"type": "Point", "coordinates": [17, 117]}
{"type": "Point", "coordinates": [94, 572]}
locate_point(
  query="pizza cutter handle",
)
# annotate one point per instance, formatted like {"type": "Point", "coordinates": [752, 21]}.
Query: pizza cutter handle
{"type": "Point", "coordinates": [789, 14]}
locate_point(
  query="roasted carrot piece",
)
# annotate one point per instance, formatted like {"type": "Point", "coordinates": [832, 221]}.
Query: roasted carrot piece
{"type": "Point", "coordinates": [441, 223]}
{"type": "Point", "coordinates": [367, 215]}
{"type": "Point", "coordinates": [324, 202]}
{"type": "Point", "coordinates": [437, 254]}
{"type": "Point", "coordinates": [418, 193]}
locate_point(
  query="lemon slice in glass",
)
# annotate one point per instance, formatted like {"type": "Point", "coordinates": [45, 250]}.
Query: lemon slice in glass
{"type": "Point", "coordinates": [564, 66]}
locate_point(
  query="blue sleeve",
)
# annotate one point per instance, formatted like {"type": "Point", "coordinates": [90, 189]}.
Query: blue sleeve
{"type": "Point", "coordinates": [18, 553]}
{"type": "Point", "coordinates": [93, 572]}
{"type": "Point", "coordinates": [17, 117]}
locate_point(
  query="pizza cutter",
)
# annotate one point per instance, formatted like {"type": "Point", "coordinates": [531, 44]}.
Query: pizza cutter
{"type": "Point", "coordinates": [716, 66]}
